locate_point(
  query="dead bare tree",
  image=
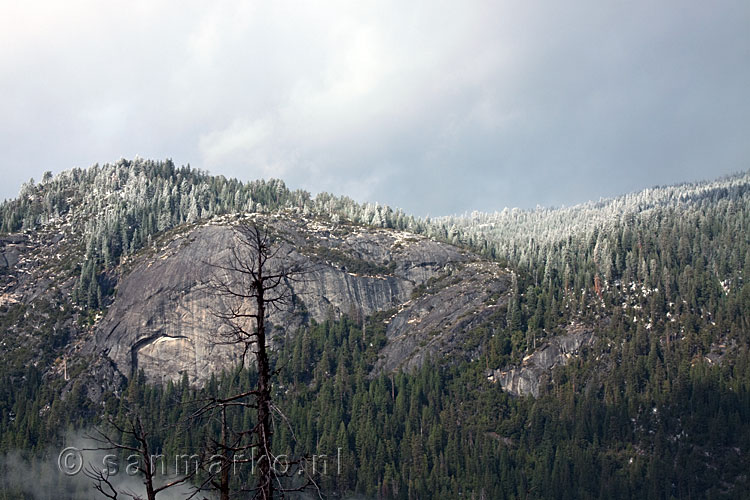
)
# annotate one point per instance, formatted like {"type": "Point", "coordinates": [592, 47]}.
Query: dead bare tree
{"type": "Point", "coordinates": [253, 280]}
{"type": "Point", "coordinates": [101, 480]}
{"type": "Point", "coordinates": [134, 439]}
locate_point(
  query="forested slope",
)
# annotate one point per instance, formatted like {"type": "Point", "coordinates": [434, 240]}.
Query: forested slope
{"type": "Point", "coordinates": [656, 406]}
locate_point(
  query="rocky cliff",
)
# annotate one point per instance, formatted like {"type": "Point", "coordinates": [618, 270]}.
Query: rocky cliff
{"type": "Point", "coordinates": [535, 367]}
{"type": "Point", "coordinates": [161, 321]}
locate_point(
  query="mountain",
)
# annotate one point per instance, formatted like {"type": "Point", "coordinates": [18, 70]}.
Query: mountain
{"type": "Point", "coordinates": [161, 322]}
{"type": "Point", "coordinates": [588, 351]}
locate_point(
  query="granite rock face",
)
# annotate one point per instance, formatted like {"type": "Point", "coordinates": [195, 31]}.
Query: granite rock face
{"type": "Point", "coordinates": [161, 320]}
{"type": "Point", "coordinates": [446, 319]}
{"type": "Point", "coordinates": [557, 351]}
{"type": "Point", "coordinates": [11, 248]}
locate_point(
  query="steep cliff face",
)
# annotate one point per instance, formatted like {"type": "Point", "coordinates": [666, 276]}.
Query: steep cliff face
{"type": "Point", "coordinates": [446, 318]}
{"type": "Point", "coordinates": [161, 320]}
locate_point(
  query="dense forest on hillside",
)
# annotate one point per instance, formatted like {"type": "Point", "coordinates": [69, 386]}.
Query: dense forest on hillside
{"type": "Point", "coordinates": [657, 407]}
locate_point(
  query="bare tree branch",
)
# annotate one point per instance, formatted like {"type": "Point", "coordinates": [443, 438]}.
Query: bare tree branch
{"type": "Point", "coordinates": [254, 278]}
{"type": "Point", "coordinates": [135, 431]}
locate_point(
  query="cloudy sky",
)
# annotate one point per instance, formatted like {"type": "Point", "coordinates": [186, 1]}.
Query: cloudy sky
{"type": "Point", "coordinates": [436, 107]}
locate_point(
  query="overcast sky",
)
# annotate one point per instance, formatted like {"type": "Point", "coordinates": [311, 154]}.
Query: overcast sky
{"type": "Point", "coordinates": [436, 107]}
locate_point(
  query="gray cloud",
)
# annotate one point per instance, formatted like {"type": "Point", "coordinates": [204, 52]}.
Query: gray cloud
{"type": "Point", "coordinates": [434, 107]}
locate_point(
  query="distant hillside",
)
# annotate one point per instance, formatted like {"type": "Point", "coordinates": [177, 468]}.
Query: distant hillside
{"type": "Point", "coordinates": [601, 350]}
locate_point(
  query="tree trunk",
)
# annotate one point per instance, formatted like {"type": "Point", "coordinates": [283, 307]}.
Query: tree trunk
{"type": "Point", "coordinates": [265, 467]}
{"type": "Point", "coordinates": [224, 482]}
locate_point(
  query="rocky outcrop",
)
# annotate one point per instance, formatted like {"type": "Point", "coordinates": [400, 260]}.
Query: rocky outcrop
{"type": "Point", "coordinates": [442, 321]}
{"type": "Point", "coordinates": [34, 262]}
{"type": "Point", "coordinates": [161, 321]}
{"type": "Point", "coordinates": [11, 247]}
{"type": "Point", "coordinates": [525, 379]}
